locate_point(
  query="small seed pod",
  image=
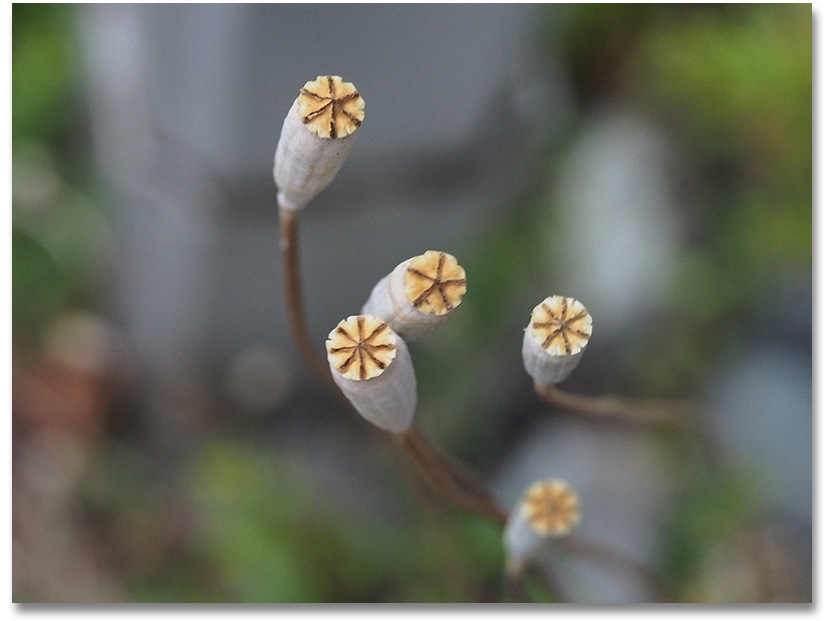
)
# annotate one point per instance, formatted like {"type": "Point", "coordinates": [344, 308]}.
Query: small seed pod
{"type": "Point", "coordinates": [371, 365]}
{"type": "Point", "coordinates": [555, 339]}
{"type": "Point", "coordinates": [419, 294]}
{"type": "Point", "coordinates": [316, 138]}
{"type": "Point", "coordinates": [547, 511]}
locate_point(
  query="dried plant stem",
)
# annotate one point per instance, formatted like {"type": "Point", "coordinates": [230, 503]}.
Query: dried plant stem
{"type": "Point", "coordinates": [291, 270]}
{"type": "Point", "coordinates": [606, 557]}
{"type": "Point", "coordinates": [663, 413]}
{"type": "Point", "coordinates": [515, 587]}
{"type": "Point", "coordinates": [515, 576]}
{"type": "Point", "coordinates": [452, 481]}
{"type": "Point", "coordinates": [654, 412]}
{"type": "Point", "coordinates": [551, 582]}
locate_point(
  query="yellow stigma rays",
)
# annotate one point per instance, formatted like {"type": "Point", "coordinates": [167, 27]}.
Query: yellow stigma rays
{"type": "Point", "coordinates": [330, 107]}
{"type": "Point", "coordinates": [561, 325]}
{"type": "Point", "coordinates": [371, 365]}
{"type": "Point", "coordinates": [316, 138]}
{"type": "Point", "coordinates": [435, 283]}
{"type": "Point", "coordinates": [548, 510]}
{"type": "Point", "coordinates": [552, 508]}
{"type": "Point", "coordinates": [361, 347]}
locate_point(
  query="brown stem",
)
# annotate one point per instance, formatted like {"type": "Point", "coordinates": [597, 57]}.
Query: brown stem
{"type": "Point", "coordinates": [551, 582]}
{"type": "Point", "coordinates": [651, 412]}
{"type": "Point", "coordinates": [515, 578]}
{"type": "Point", "coordinates": [452, 481]}
{"type": "Point", "coordinates": [515, 586]}
{"type": "Point", "coordinates": [295, 305]}
{"type": "Point", "coordinates": [612, 559]}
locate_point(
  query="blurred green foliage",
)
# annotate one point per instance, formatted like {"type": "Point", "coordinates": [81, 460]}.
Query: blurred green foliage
{"type": "Point", "coordinates": [732, 84]}
{"type": "Point", "coordinates": [737, 86]}
{"type": "Point", "coordinates": [44, 72]}
{"type": "Point", "coordinates": [244, 523]}
{"type": "Point", "coordinates": [710, 511]}
{"type": "Point", "coordinates": [59, 236]}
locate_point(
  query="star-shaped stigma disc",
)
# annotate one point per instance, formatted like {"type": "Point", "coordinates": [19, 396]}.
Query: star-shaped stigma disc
{"type": "Point", "coordinates": [330, 108]}
{"type": "Point", "coordinates": [561, 325]}
{"type": "Point", "coordinates": [435, 283]}
{"type": "Point", "coordinates": [361, 347]}
{"type": "Point", "coordinates": [551, 507]}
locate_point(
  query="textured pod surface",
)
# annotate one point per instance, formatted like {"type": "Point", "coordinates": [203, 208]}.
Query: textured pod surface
{"type": "Point", "coordinates": [555, 339]}
{"type": "Point", "coordinates": [371, 365]}
{"type": "Point", "coordinates": [548, 510]}
{"type": "Point", "coordinates": [419, 294]}
{"type": "Point", "coordinates": [316, 138]}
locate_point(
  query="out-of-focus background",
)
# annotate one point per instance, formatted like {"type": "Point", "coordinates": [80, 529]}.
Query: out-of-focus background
{"type": "Point", "coordinates": [653, 161]}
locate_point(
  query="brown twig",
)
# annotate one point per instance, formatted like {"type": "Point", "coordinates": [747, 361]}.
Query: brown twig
{"type": "Point", "coordinates": [515, 587]}
{"type": "Point", "coordinates": [595, 552]}
{"type": "Point", "coordinates": [551, 582]}
{"type": "Point", "coordinates": [452, 481]}
{"type": "Point", "coordinates": [515, 582]}
{"type": "Point", "coordinates": [652, 412]}
{"type": "Point", "coordinates": [657, 413]}
{"type": "Point", "coordinates": [291, 270]}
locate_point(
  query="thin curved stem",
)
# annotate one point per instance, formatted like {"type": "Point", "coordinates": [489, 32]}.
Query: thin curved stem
{"type": "Point", "coordinates": [288, 242]}
{"type": "Point", "coordinates": [662, 413]}
{"type": "Point", "coordinates": [515, 587]}
{"type": "Point", "coordinates": [551, 582]}
{"type": "Point", "coordinates": [653, 412]}
{"type": "Point", "coordinates": [452, 481]}
{"type": "Point", "coordinates": [607, 557]}
{"type": "Point", "coordinates": [515, 579]}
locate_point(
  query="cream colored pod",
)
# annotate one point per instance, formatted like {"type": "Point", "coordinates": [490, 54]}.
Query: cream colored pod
{"type": "Point", "coordinates": [418, 294]}
{"type": "Point", "coordinates": [316, 138]}
{"type": "Point", "coordinates": [555, 339]}
{"type": "Point", "coordinates": [371, 365]}
{"type": "Point", "coordinates": [548, 510]}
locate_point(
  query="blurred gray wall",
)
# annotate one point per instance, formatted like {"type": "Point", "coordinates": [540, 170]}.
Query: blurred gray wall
{"type": "Point", "coordinates": [187, 103]}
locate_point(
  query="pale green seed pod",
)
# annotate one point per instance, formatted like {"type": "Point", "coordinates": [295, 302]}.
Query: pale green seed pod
{"type": "Point", "coordinates": [547, 511]}
{"type": "Point", "coordinates": [372, 366]}
{"type": "Point", "coordinates": [419, 294]}
{"type": "Point", "coordinates": [555, 339]}
{"type": "Point", "coordinates": [316, 138]}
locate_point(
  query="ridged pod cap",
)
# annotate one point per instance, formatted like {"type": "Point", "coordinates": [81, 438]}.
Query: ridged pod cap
{"type": "Point", "coordinates": [316, 138]}
{"type": "Point", "coordinates": [555, 339]}
{"type": "Point", "coordinates": [548, 510]}
{"type": "Point", "coordinates": [372, 366]}
{"type": "Point", "coordinates": [419, 294]}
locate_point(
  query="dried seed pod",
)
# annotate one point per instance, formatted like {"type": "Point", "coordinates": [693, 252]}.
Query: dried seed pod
{"type": "Point", "coordinates": [548, 510]}
{"type": "Point", "coordinates": [371, 365]}
{"type": "Point", "coordinates": [555, 339]}
{"type": "Point", "coordinates": [316, 138]}
{"type": "Point", "coordinates": [419, 293]}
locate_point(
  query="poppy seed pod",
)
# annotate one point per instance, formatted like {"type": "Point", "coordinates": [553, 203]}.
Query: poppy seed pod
{"type": "Point", "coordinates": [548, 510]}
{"type": "Point", "coordinates": [418, 294]}
{"type": "Point", "coordinates": [555, 339]}
{"type": "Point", "coordinates": [316, 138]}
{"type": "Point", "coordinates": [371, 365]}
